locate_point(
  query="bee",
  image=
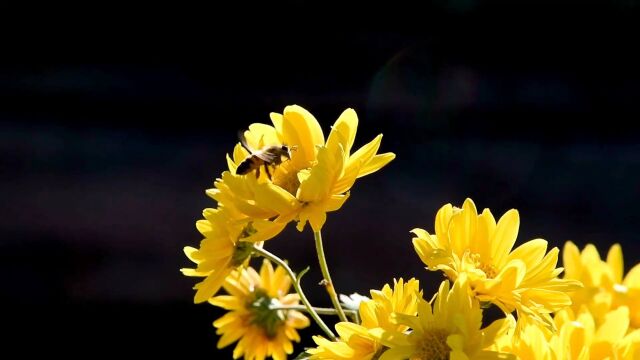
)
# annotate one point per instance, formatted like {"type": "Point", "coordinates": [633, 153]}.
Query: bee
{"type": "Point", "coordinates": [268, 155]}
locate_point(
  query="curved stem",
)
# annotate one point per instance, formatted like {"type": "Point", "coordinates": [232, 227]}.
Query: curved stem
{"type": "Point", "coordinates": [328, 284]}
{"type": "Point", "coordinates": [295, 280]}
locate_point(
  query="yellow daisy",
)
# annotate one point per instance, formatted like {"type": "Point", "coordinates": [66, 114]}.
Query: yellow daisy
{"type": "Point", "coordinates": [581, 338]}
{"type": "Point", "coordinates": [356, 343]}
{"type": "Point", "coordinates": [604, 285]}
{"type": "Point", "coordinates": [448, 329]}
{"type": "Point", "coordinates": [260, 330]}
{"type": "Point", "coordinates": [524, 279]}
{"type": "Point", "coordinates": [228, 243]}
{"type": "Point", "coordinates": [578, 338]}
{"type": "Point", "coordinates": [531, 342]}
{"type": "Point", "coordinates": [315, 180]}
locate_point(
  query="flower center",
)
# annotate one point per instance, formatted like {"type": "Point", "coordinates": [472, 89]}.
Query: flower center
{"type": "Point", "coordinates": [433, 346]}
{"type": "Point", "coordinates": [286, 177]}
{"type": "Point", "coordinates": [262, 314]}
{"type": "Point", "coordinates": [488, 268]}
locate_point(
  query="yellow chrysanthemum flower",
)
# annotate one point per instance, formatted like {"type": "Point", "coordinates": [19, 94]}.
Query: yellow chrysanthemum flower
{"type": "Point", "coordinates": [316, 179]}
{"type": "Point", "coordinates": [532, 342]}
{"type": "Point", "coordinates": [604, 285]}
{"type": "Point", "coordinates": [581, 338]}
{"type": "Point", "coordinates": [356, 343]}
{"type": "Point", "coordinates": [260, 330]}
{"type": "Point", "coordinates": [524, 279]}
{"type": "Point", "coordinates": [448, 329]}
{"type": "Point", "coordinates": [578, 338]}
{"type": "Point", "coordinates": [228, 243]}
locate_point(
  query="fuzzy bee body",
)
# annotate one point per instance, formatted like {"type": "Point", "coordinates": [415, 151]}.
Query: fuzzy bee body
{"type": "Point", "coordinates": [269, 155]}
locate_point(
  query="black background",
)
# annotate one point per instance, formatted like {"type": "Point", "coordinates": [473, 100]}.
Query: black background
{"type": "Point", "coordinates": [113, 122]}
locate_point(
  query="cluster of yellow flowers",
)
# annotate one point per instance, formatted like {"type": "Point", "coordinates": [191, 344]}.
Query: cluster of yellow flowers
{"type": "Point", "coordinates": [288, 172]}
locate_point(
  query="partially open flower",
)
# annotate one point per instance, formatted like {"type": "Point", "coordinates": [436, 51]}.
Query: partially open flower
{"type": "Point", "coordinates": [227, 244]}
{"type": "Point", "coordinates": [605, 286]}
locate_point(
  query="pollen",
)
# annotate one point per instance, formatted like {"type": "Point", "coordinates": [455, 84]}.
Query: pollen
{"type": "Point", "coordinates": [286, 177]}
{"type": "Point", "coordinates": [489, 270]}
{"type": "Point", "coordinates": [433, 346]}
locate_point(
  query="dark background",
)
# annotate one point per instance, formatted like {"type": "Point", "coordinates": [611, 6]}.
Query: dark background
{"type": "Point", "coordinates": [113, 122]}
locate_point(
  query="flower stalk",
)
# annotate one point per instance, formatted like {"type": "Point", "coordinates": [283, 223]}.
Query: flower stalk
{"type": "Point", "coordinates": [319, 310]}
{"type": "Point", "coordinates": [295, 279]}
{"type": "Point", "coordinates": [327, 282]}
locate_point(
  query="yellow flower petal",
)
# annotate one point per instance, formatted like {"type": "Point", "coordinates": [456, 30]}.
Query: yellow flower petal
{"type": "Point", "coordinates": [505, 236]}
{"type": "Point", "coordinates": [376, 163]}
{"type": "Point", "coordinates": [571, 261]}
{"type": "Point", "coordinates": [632, 280]}
{"type": "Point", "coordinates": [443, 218]}
{"type": "Point", "coordinates": [274, 198]}
{"type": "Point", "coordinates": [462, 228]}
{"type": "Point", "coordinates": [543, 270]}
{"type": "Point", "coordinates": [323, 176]}
{"type": "Point", "coordinates": [345, 181]}
{"type": "Point", "coordinates": [615, 262]}
{"type": "Point", "coordinates": [315, 215]}
{"type": "Point", "coordinates": [615, 325]}
{"type": "Point", "coordinates": [210, 285]}
{"type": "Point", "coordinates": [261, 135]}
{"type": "Point", "coordinates": [344, 130]}
{"type": "Point", "coordinates": [531, 252]}
{"type": "Point", "coordinates": [264, 230]}
{"type": "Point", "coordinates": [301, 129]}
{"type": "Point", "coordinates": [485, 227]}
{"type": "Point", "coordinates": [430, 255]}
{"type": "Point", "coordinates": [365, 154]}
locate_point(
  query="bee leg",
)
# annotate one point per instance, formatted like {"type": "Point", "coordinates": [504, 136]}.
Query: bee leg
{"type": "Point", "coordinates": [266, 169]}
{"type": "Point", "coordinates": [258, 172]}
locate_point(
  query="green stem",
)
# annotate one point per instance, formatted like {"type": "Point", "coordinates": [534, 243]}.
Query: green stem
{"type": "Point", "coordinates": [321, 311]}
{"type": "Point", "coordinates": [296, 285]}
{"type": "Point", "coordinates": [328, 284]}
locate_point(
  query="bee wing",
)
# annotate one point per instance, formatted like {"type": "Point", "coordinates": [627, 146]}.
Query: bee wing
{"type": "Point", "coordinates": [267, 156]}
{"type": "Point", "coordinates": [243, 141]}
